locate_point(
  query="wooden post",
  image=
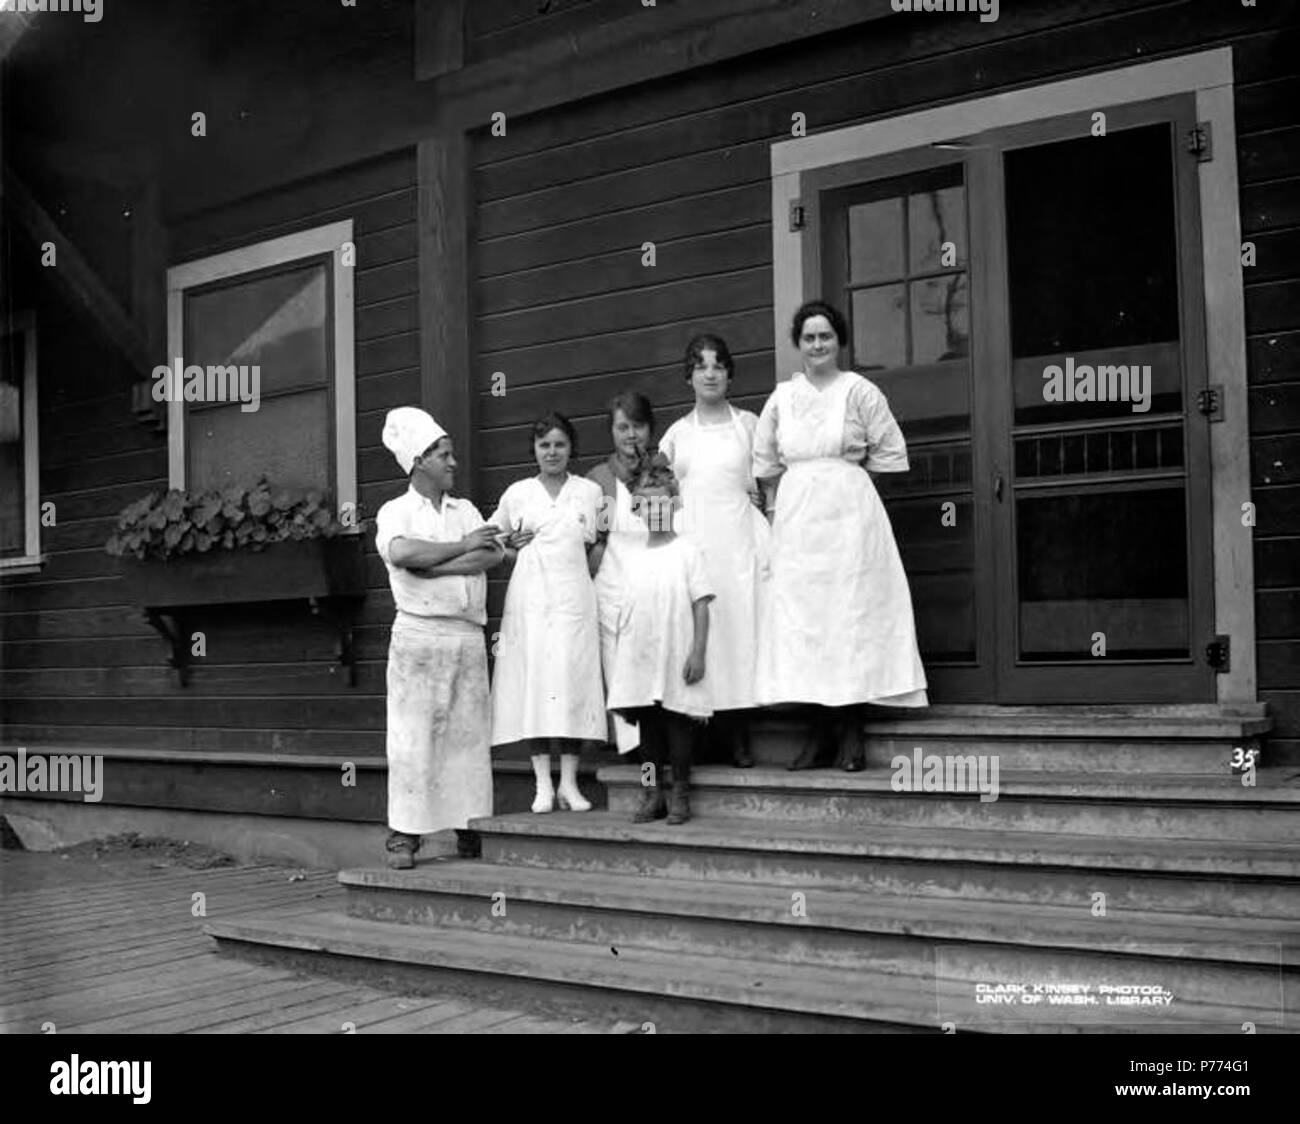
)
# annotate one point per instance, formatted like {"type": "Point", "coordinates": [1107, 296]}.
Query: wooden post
{"type": "Point", "coordinates": [439, 37]}
{"type": "Point", "coordinates": [444, 224]}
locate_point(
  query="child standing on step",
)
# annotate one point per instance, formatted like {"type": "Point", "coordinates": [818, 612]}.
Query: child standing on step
{"type": "Point", "coordinates": [659, 669]}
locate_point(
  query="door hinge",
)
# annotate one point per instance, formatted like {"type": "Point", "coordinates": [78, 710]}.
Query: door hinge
{"type": "Point", "coordinates": [797, 216]}
{"type": "Point", "coordinates": [1200, 143]}
{"type": "Point", "coordinates": [1218, 653]}
{"type": "Point", "coordinates": [1210, 402]}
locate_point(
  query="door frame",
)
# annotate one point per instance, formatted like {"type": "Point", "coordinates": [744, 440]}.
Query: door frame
{"type": "Point", "coordinates": [1208, 76]}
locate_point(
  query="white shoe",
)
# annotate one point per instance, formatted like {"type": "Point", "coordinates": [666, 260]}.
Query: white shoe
{"type": "Point", "coordinates": [544, 801]}
{"type": "Point", "coordinates": [571, 798]}
{"type": "Point", "coordinates": [573, 801]}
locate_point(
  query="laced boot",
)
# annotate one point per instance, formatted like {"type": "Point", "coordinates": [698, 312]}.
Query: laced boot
{"type": "Point", "coordinates": [651, 806]}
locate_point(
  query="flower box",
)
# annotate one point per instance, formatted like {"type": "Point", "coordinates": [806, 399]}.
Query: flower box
{"type": "Point", "coordinates": [285, 571]}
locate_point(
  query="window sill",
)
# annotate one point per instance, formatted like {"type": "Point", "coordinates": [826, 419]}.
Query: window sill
{"type": "Point", "coordinates": [32, 564]}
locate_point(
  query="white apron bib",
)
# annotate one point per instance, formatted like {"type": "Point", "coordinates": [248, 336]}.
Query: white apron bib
{"type": "Point", "coordinates": [713, 464]}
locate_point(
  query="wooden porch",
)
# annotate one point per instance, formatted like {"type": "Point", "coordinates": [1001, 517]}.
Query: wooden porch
{"type": "Point", "coordinates": [111, 946]}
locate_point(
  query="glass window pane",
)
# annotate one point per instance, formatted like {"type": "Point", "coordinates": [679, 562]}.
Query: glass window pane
{"type": "Point", "coordinates": [13, 537]}
{"type": "Point", "coordinates": [278, 321]}
{"type": "Point", "coordinates": [940, 324]}
{"type": "Point", "coordinates": [933, 218]}
{"type": "Point", "coordinates": [876, 241]}
{"type": "Point", "coordinates": [879, 328]}
{"type": "Point", "coordinates": [940, 565]}
{"type": "Point", "coordinates": [1091, 243]}
{"type": "Point", "coordinates": [287, 439]}
{"type": "Point", "coordinates": [1110, 562]}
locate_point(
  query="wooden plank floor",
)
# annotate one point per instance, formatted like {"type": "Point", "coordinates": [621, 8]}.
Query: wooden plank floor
{"type": "Point", "coordinates": [115, 945]}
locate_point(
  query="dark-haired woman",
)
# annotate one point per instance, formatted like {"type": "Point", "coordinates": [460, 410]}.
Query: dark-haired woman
{"type": "Point", "coordinates": [711, 453]}
{"type": "Point", "coordinates": [837, 629]}
{"type": "Point", "coordinates": [546, 686]}
{"type": "Point", "coordinates": [631, 424]}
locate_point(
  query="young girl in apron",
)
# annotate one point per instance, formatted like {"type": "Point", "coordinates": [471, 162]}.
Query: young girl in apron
{"type": "Point", "coordinates": [661, 669]}
{"type": "Point", "coordinates": [621, 533]}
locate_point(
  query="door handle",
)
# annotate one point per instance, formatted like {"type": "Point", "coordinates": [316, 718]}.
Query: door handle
{"type": "Point", "coordinates": [997, 486]}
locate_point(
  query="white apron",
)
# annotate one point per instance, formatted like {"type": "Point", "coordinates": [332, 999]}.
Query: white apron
{"type": "Point", "coordinates": [439, 759]}
{"type": "Point", "coordinates": [626, 534]}
{"type": "Point", "coordinates": [837, 626]}
{"type": "Point", "coordinates": [546, 681]}
{"type": "Point", "coordinates": [714, 465]}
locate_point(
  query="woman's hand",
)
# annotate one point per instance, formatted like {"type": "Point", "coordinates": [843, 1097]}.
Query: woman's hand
{"type": "Point", "coordinates": [756, 498]}
{"type": "Point", "coordinates": [693, 672]}
{"type": "Point", "coordinates": [519, 539]}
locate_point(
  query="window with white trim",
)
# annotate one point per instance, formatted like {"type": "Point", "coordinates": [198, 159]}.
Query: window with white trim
{"type": "Point", "coordinates": [260, 379]}
{"type": "Point", "coordinates": [20, 527]}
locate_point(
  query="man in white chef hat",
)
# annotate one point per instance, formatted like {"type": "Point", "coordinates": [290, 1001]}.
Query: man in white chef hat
{"type": "Point", "coordinates": [437, 549]}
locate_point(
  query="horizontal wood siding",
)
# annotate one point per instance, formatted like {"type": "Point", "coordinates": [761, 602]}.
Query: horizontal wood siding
{"type": "Point", "coordinates": [1268, 132]}
{"type": "Point", "coordinates": [566, 311]}
{"type": "Point", "coordinates": [77, 664]}
{"type": "Point", "coordinates": [564, 308]}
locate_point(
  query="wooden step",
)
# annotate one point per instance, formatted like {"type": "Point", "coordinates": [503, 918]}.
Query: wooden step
{"type": "Point", "coordinates": [1190, 876]}
{"type": "Point", "coordinates": [818, 924]}
{"type": "Point", "coordinates": [692, 991]}
{"type": "Point", "coordinates": [1138, 807]}
{"type": "Point", "coordinates": [1161, 739]}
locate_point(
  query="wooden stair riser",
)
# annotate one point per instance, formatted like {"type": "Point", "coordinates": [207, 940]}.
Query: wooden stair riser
{"type": "Point", "coordinates": [776, 934]}
{"type": "Point", "coordinates": [1225, 895]}
{"type": "Point", "coordinates": [613, 994]}
{"type": "Point", "coordinates": [1075, 815]}
{"type": "Point", "coordinates": [666, 1014]}
{"type": "Point", "coordinates": [1072, 755]}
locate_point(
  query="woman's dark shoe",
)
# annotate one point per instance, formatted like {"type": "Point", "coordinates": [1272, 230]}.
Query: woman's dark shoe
{"type": "Point", "coordinates": [853, 759]}
{"type": "Point", "coordinates": [652, 806]}
{"type": "Point", "coordinates": [852, 756]}
{"type": "Point", "coordinates": [679, 805]}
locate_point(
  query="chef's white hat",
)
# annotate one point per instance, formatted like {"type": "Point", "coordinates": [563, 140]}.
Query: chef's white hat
{"type": "Point", "coordinates": [408, 432]}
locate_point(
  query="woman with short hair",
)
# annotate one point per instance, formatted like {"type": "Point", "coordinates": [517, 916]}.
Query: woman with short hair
{"type": "Point", "coordinates": [546, 686]}
{"type": "Point", "coordinates": [837, 629]}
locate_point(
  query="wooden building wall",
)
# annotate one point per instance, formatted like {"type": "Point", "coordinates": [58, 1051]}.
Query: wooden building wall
{"type": "Point", "coordinates": [564, 308]}
{"type": "Point", "coordinates": [562, 305]}
{"type": "Point", "coordinates": [77, 665]}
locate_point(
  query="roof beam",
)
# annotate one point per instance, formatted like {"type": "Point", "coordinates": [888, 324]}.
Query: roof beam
{"type": "Point", "coordinates": [73, 276]}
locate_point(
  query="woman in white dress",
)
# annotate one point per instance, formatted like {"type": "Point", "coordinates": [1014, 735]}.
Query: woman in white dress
{"type": "Point", "coordinates": [836, 629]}
{"type": "Point", "coordinates": [711, 454]}
{"type": "Point", "coordinates": [546, 686]}
{"type": "Point", "coordinates": [621, 532]}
